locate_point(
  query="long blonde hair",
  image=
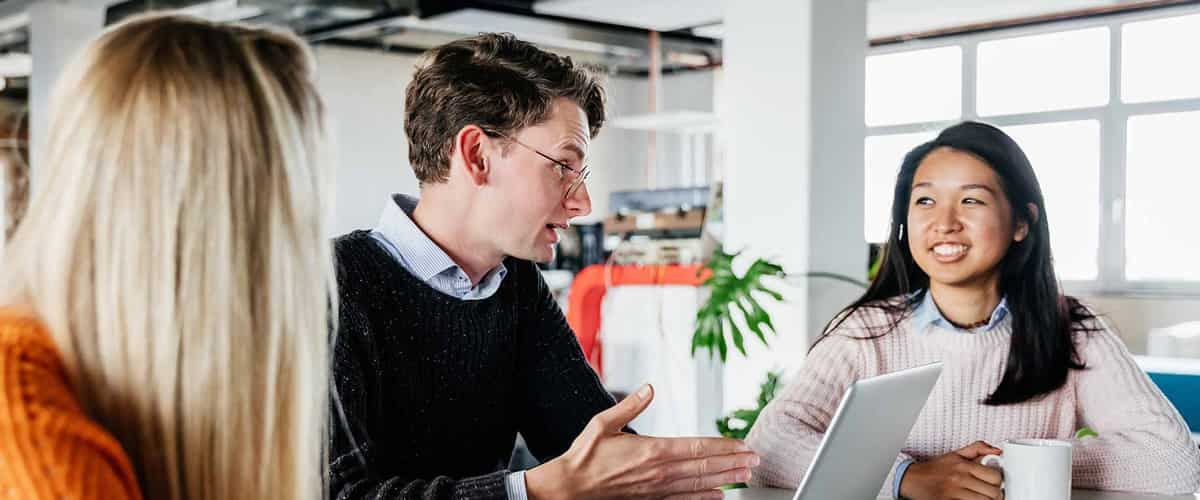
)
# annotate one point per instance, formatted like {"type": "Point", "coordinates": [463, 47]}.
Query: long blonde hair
{"type": "Point", "coordinates": [176, 249]}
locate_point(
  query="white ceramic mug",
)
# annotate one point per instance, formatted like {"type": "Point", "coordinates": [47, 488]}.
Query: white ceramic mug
{"type": "Point", "coordinates": [1034, 469]}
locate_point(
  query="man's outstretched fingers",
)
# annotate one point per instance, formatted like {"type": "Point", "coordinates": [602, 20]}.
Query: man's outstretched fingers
{"type": "Point", "coordinates": [679, 448]}
{"type": "Point", "coordinates": [709, 481]}
{"type": "Point", "coordinates": [616, 418]}
{"type": "Point", "coordinates": [696, 467]}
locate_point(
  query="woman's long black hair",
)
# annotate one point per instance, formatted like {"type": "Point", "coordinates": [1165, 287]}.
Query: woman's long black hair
{"type": "Point", "coordinates": [1044, 321]}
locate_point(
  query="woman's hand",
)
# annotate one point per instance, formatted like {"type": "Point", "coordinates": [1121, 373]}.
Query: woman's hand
{"type": "Point", "coordinates": [957, 475]}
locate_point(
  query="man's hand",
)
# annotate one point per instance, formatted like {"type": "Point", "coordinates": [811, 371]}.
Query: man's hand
{"type": "Point", "coordinates": [605, 462]}
{"type": "Point", "coordinates": [957, 475]}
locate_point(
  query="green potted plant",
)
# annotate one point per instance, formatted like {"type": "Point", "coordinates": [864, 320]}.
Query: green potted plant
{"type": "Point", "coordinates": [730, 295]}
{"type": "Point", "coordinates": [737, 424]}
{"type": "Point", "coordinates": [735, 299]}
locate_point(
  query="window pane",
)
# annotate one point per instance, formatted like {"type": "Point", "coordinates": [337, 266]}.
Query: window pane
{"type": "Point", "coordinates": [1162, 237]}
{"type": "Point", "coordinates": [883, 156]}
{"type": "Point", "coordinates": [917, 86]}
{"type": "Point", "coordinates": [1066, 159]}
{"type": "Point", "coordinates": [1044, 72]}
{"type": "Point", "coordinates": [1154, 57]}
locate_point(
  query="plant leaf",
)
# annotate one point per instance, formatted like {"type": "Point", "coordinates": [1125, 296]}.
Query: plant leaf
{"type": "Point", "coordinates": [752, 321]}
{"type": "Point", "coordinates": [735, 332]}
{"type": "Point", "coordinates": [722, 347]}
{"type": "Point", "coordinates": [715, 323]}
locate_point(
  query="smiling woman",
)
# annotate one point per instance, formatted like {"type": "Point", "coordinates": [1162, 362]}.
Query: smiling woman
{"type": "Point", "coordinates": [960, 226]}
{"type": "Point", "coordinates": [968, 279]}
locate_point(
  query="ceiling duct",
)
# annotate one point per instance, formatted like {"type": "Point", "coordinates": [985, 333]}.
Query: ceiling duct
{"type": "Point", "coordinates": [620, 49]}
{"type": "Point", "coordinates": [417, 25]}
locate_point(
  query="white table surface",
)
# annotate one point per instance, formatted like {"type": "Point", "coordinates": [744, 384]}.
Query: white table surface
{"type": "Point", "coordinates": [775, 494]}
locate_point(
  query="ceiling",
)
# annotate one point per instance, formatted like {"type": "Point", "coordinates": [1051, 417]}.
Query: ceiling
{"type": "Point", "coordinates": [613, 33]}
{"type": "Point", "coordinates": [884, 17]}
{"type": "Point", "coordinates": [658, 15]}
{"type": "Point", "coordinates": [609, 33]}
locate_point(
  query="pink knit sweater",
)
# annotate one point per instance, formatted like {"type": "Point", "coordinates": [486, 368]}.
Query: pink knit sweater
{"type": "Point", "coordinates": [1144, 444]}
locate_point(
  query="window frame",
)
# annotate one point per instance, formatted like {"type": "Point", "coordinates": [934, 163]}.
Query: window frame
{"type": "Point", "coordinates": [1113, 118]}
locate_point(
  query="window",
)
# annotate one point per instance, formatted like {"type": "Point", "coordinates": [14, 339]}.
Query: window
{"type": "Point", "coordinates": [1118, 174]}
{"type": "Point", "coordinates": [882, 160]}
{"type": "Point", "coordinates": [1156, 56]}
{"type": "Point", "coordinates": [1066, 158]}
{"type": "Point", "coordinates": [1162, 234]}
{"type": "Point", "coordinates": [917, 86]}
{"type": "Point", "coordinates": [1044, 73]}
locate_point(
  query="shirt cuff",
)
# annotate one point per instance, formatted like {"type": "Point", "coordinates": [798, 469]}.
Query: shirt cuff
{"type": "Point", "coordinates": [900, 470]}
{"type": "Point", "coordinates": [514, 485]}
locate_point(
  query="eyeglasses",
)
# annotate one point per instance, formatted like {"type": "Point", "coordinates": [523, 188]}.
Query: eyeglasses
{"type": "Point", "coordinates": [577, 176]}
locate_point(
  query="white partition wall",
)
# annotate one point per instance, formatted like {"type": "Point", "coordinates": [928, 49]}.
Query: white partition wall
{"type": "Point", "coordinates": [56, 30]}
{"type": "Point", "coordinates": [791, 104]}
{"type": "Point", "coordinates": [647, 334]}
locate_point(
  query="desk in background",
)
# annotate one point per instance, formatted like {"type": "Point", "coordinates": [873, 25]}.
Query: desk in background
{"type": "Point", "coordinates": [1179, 380]}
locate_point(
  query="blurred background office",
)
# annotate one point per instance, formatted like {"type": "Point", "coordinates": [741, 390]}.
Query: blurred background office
{"type": "Point", "coordinates": [769, 128]}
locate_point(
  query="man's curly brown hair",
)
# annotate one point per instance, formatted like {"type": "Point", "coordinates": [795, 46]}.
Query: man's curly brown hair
{"type": "Point", "coordinates": [492, 80]}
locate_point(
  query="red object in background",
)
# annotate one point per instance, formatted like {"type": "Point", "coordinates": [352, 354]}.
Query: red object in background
{"type": "Point", "coordinates": [590, 285]}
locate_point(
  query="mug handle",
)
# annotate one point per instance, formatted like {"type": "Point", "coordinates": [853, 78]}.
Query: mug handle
{"type": "Point", "coordinates": [990, 460]}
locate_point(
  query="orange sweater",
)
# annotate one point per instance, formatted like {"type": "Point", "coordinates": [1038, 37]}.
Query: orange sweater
{"type": "Point", "coordinates": [49, 448]}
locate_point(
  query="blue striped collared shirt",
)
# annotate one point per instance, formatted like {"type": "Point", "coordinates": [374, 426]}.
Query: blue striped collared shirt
{"type": "Point", "coordinates": [419, 255]}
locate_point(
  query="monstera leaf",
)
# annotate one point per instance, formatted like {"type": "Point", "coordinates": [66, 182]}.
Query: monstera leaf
{"type": "Point", "coordinates": [734, 296]}
{"type": "Point", "coordinates": [738, 423]}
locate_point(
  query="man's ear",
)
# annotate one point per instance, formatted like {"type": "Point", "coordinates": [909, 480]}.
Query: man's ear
{"type": "Point", "coordinates": [469, 154]}
{"type": "Point", "coordinates": [1024, 225]}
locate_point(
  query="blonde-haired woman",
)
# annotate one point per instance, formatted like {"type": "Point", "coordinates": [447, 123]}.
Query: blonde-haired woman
{"type": "Point", "coordinates": [170, 283]}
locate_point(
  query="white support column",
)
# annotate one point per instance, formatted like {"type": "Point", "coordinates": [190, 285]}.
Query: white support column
{"type": "Point", "coordinates": [836, 203]}
{"type": "Point", "coordinates": [57, 29]}
{"type": "Point", "coordinates": [792, 113]}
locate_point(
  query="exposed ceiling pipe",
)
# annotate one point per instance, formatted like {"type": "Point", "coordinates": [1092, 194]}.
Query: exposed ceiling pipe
{"type": "Point", "coordinates": [528, 8]}
{"type": "Point", "coordinates": [381, 20]}
{"type": "Point", "coordinates": [654, 82]}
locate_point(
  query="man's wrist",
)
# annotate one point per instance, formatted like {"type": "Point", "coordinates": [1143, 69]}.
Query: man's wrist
{"type": "Point", "coordinates": [546, 482]}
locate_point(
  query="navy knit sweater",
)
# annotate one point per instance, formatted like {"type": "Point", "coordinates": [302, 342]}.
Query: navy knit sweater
{"type": "Point", "coordinates": [434, 389]}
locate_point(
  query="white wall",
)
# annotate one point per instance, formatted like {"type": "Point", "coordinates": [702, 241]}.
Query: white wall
{"type": "Point", "coordinates": [619, 157]}
{"type": "Point", "coordinates": [1134, 317]}
{"type": "Point", "coordinates": [72, 24]}
{"type": "Point", "coordinates": [836, 195]}
{"type": "Point", "coordinates": [791, 106]}
{"type": "Point", "coordinates": [364, 94]}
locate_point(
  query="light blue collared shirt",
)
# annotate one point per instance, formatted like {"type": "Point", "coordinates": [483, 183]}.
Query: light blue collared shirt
{"type": "Point", "coordinates": [419, 255]}
{"type": "Point", "coordinates": [926, 315]}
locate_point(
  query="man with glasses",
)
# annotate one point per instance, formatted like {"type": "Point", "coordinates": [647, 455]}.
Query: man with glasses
{"type": "Point", "coordinates": [449, 343]}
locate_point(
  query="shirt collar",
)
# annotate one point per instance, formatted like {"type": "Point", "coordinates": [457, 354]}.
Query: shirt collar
{"type": "Point", "coordinates": [926, 314]}
{"type": "Point", "coordinates": [425, 259]}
